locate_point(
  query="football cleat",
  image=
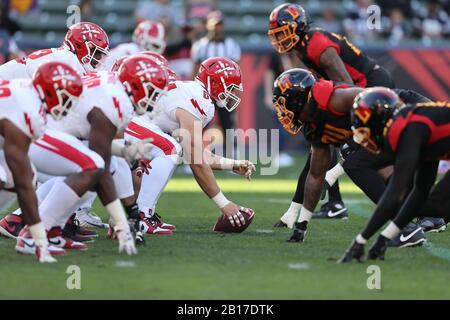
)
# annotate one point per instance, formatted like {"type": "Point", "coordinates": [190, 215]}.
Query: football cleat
{"type": "Point", "coordinates": [56, 238]}
{"type": "Point", "coordinates": [378, 249]}
{"type": "Point", "coordinates": [280, 224]}
{"type": "Point", "coordinates": [430, 224]}
{"type": "Point", "coordinates": [87, 218]}
{"type": "Point", "coordinates": [160, 222]}
{"type": "Point", "coordinates": [11, 225]}
{"type": "Point", "coordinates": [298, 235]}
{"type": "Point", "coordinates": [332, 210]}
{"type": "Point", "coordinates": [355, 251]}
{"type": "Point", "coordinates": [287, 220]}
{"type": "Point", "coordinates": [73, 231]}
{"type": "Point", "coordinates": [148, 225]}
{"type": "Point", "coordinates": [412, 235]}
{"type": "Point", "coordinates": [26, 245]}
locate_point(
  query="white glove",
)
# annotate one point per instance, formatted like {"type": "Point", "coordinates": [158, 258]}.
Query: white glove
{"type": "Point", "coordinates": [126, 241]}
{"type": "Point", "coordinates": [132, 151]}
{"type": "Point", "coordinates": [244, 168]}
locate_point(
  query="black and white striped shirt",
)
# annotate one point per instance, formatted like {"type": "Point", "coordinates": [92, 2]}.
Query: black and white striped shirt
{"type": "Point", "coordinates": [206, 48]}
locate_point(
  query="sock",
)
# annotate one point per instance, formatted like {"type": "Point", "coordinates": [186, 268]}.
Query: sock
{"type": "Point", "coordinates": [154, 183]}
{"type": "Point", "coordinates": [334, 173]}
{"type": "Point", "coordinates": [39, 235]}
{"type": "Point", "coordinates": [132, 211]}
{"type": "Point", "coordinates": [290, 216]}
{"type": "Point", "coordinates": [305, 215]}
{"type": "Point", "coordinates": [391, 231]}
{"type": "Point", "coordinates": [334, 194]}
{"type": "Point", "coordinates": [60, 202]}
{"type": "Point", "coordinates": [123, 180]}
{"type": "Point", "coordinates": [88, 199]}
{"type": "Point", "coordinates": [360, 239]}
{"type": "Point", "coordinates": [41, 193]}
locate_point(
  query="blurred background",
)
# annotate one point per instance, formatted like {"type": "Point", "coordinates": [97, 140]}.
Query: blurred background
{"type": "Point", "coordinates": [413, 41]}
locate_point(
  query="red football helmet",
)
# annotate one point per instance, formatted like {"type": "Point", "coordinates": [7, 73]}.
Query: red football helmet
{"type": "Point", "coordinates": [149, 35]}
{"type": "Point", "coordinates": [145, 81]}
{"type": "Point", "coordinates": [163, 62]}
{"type": "Point", "coordinates": [159, 58]}
{"type": "Point", "coordinates": [59, 86]}
{"type": "Point", "coordinates": [89, 42]}
{"type": "Point", "coordinates": [222, 79]}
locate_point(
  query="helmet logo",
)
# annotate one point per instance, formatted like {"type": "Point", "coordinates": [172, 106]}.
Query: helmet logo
{"type": "Point", "coordinates": [224, 69]}
{"type": "Point", "coordinates": [363, 114]}
{"type": "Point", "coordinates": [144, 68]}
{"type": "Point", "coordinates": [62, 75]}
{"type": "Point", "coordinates": [292, 10]}
{"type": "Point", "coordinates": [87, 29]}
{"type": "Point", "coordinates": [284, 84]}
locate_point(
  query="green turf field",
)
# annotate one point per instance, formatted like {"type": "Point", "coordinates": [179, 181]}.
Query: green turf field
{"type": "Point", "coordinates": [195, 263]}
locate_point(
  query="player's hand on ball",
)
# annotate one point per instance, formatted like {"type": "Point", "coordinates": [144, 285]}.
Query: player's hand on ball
{"type": "Point", "coordinates": [244, 168]}
{"type": "Point", "coordinates": [126, 241]}
{"type": "Point", "coordinates": [137, 150]}
{"type": "Point", "coordinates": [233, 214]}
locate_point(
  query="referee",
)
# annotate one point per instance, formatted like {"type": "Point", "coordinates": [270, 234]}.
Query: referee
{"type": "Point", "coordinates": [215, 44]}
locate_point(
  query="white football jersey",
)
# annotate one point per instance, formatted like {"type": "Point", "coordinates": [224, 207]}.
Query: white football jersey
{"type": "Point", "coordinates": [20, 104]}
{"type": "Point", "coordinates": [24, 68]}
{"type": "Point", "coordinates": [187, 95]}
{"type": "Point", "coordinates": [101, 90]}
{"type": "Point", "coordinates": [124, 49]}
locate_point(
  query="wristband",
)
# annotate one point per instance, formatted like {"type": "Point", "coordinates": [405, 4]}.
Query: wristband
{"type": "Point", "coordinates": [220, 200]}
{"type": "Point", "coordinates": [118, 215]}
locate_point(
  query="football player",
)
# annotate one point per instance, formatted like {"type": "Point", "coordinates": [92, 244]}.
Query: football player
{"type": "Point", "coordinates": [85, 45]}
{"type": "Point", "coordinates": [181, 116]}
{"type": "Point", "coordinates": [415, 137]}
{"type": "Point", "coordinates": [147, 36]}
{"type": "Point", "coordinates": [58, 87]}
{"type": "Point", "coordinates": [321, 110]}
{"type": "Point", "coordinates": [333, 57]}
{"type": "Point", "coordinates": [104, 110]}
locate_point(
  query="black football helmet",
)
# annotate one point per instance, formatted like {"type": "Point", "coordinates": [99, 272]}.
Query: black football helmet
{"type": "Point", "coordinates": [372, 111]}
{"type": "Point", "coordinates": [288, 24]}
{"type": "Point", "coordinates": [290, 94]}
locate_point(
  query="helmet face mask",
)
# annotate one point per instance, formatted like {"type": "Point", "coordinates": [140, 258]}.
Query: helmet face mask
{"type": "Point", "coordinates": [150, 100]}
{"type": "Point", "coordinates": [284, 38]}
{"type": "Point", "coordinates": [94, 57]}
{"type": "Point", "coordinates": [230, 98]}
{"type": "Point", "coordinates": [66, 102]}
{"type": "Point", "coordinates": [363, 136]}
{"type": "Point", "coordinates": [286, 117]}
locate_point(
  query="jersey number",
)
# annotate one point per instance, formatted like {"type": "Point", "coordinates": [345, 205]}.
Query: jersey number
{"type": "Point", "coordinates": [5, 91]}
{"type": "Point", "coordinates": [332, 134]}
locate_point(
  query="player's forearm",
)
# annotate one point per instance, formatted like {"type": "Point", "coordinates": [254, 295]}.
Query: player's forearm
{"type": "Point", "coordinates": [205, 179]}
{"type": "Point", "coordinates": [27, 199]}
{"type": "Point", "coordinates": [219, 163]}
{"type": "Point", "coordinates": [106, 189]}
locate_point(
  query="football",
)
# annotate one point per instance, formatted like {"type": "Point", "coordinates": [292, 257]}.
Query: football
{"type": "Point", "coordinates": [223, 224]}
